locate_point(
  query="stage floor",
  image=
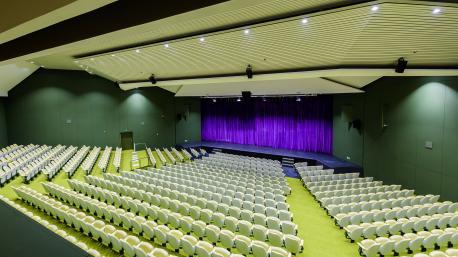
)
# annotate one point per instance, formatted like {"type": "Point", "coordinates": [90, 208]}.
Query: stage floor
{"type": "Point", "coordinates": [327, 160]}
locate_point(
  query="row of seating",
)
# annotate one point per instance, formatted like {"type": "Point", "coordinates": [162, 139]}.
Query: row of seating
{"type": "Point", "coordinates": [335, 209]}
{"type": "Point", "coordinates": [315, 190]}
{"type": "Point", "coordinates": [235, 163]}
{"type": "Point", "coordinates": [240, 183]}
{"type": "Point", "coordinates": [401, 223]}
{"type": "Point", "coordinates": [117, 239]}
{"type": "Point", "coordinates": [151, 157]}
{"type": "Point", "coordinates": [309, 173]}
{"type": "Point", "coordinates": [170, 156]}
{"type": "Point", "coordinates": [338, 182]}
{"type": "Point", "coordinates": [202, 197]}
{"type": "Point", "coordinates": [40, 160]}
{"type": "Point", "coordinates": [401, 226]}
{"type": "Point", "coordinates": [200, 229]}
{"type": "Point", "coordinates": [51, 227]}
{"type": "Point", "coordinates": [117, 158]}
{"type": "Point", "coordinates": [239, 178]}
{"type": "Point", "coordinates": [246, 159]}
{"type": "Point", "coordinates": [447, 253]}
{"type": "Point", "coordinates": [265, 173]}
{"type": "Point", "coordinates": [355, 218]}
{"type": "Point", "coordinates": [161, 156]}
{"type": "Point", "coordinates": [104, 158]}
{"type": "Point", "coordinates": [90, 160]}
{"type": "Point", "coordinates": [219, 192]}
{"type": "Point", "coordinates": [71, 166]}
{"type": "Point", "coordinates": [208, 215]}
{"type": "Point", "coordinates": [195, 212]}
{"type": "Point", "coordinates": [56, 163]}
{"type": "Point", "coordinates": [366, 197]}
{"type": "Point", "coordinates": [201, 202]}
{"type": "Point", "coordinates": [331, 177]}
{"type": "Point", "coordinates": [194, 152]}
{"type": "Point", "coordinates": [17, 154]}
{"type": "Point", "coordinates": [186, 153]}
{"type": "Point", "coordinates": [34, 161]}
{"type": "Point", "coordinates": [177, 154]}
{"type": "Point", "coordinates": [21, 154]}
{"type": "Point", "coordinates": [359, 188]}
{"type": "Point", "coordinates": [409, 242]}
{"type": "Point", "coordinates": [8, 149]}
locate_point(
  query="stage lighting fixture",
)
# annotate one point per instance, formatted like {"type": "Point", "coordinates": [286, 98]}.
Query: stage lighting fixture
{"type": "Point", "coordinates": [214, 100]}
{"type": "Point", "coordinates": [298, 99]}
{"type": "Point", "coordinates": [401, 65]}
{"type": "Point", "coordinates": [239, 100]}
{"type": "Point", "coordinates": [264, 99]}
{"type": "Point", "coordinates": [152, 79]}
{"type": "Point", "coordinates": [249, 71]}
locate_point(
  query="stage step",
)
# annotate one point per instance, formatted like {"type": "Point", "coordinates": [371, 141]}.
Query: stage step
{"type": "Point", "coordinates": [288, 162]}
{"type": "Point", "coordinates": [217, 150]}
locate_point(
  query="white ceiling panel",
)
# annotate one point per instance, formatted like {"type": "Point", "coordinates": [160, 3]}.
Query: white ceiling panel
{"type": "Point", "coordinates": [271, 87]}
{"type": "Point", "coordinates": [13, 74]}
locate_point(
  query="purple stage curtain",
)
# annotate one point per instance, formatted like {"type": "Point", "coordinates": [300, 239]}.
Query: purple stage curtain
{"type": "Point", "coordinates": [279, 122]}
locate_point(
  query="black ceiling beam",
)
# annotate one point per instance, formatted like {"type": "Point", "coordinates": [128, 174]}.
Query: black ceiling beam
{"type": "Point", "coordinates": [112, 17]}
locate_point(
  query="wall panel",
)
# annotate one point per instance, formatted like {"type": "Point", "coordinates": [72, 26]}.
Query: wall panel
{"type": "Point", "coordinates": [415, 110]}
{"type": "Point", "coordinates": [73, 107]}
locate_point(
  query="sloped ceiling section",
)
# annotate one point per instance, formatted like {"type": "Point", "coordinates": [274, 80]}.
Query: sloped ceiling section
{"type": "Point", "coordinates": [21, 17]}
{"type": "Point", "coordinates": [13, 74]}
{"type": "Point", "coordinates": [355, 36]}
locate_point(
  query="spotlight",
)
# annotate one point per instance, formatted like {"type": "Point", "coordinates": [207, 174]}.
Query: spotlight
{"type": "Point", "coordinates": [214, 100]}
{"type": "Point", "coordinates": [246, 31]}
{"type": "Point", "coordinates": [92, 59]}
{"type": "Point", "coordinates": [298, 99]}
{"type": "Point", "coordinates": [264, 99]}
{"type": "Point", "coordinates": [166, 45]}
{"type": "Point", "coordinates": [437, 11]}
{"type": "Point", "coordinates": [401, 65]}
{"type": "Point", "coordinates": [152, 79]}
{"type": "Point", "coordinates": [249, 71]}
{"type": "Point", "coordinates": [374, 8]}
{"type": "Point", "coordinates": [304, 21]}
{"type": "Point", "coordinates": [137, 51]}
{"type": "Point", "coordinates": [113, 55]}
{"type": "Point", "coordinates": [202, 39]}
{"type": "Point", "coordinates": [239, 100]}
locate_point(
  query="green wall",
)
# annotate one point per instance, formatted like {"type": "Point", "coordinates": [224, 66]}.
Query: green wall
{"type": "Point", "coordinates": [347, 141]}
{"type": "Point", "coordinates": [188, 127]}
{"type": "Point", "coordinates": [415, 110]}
{"type": "Point", "coordinates": [3, 134]}
{"type": "Point", "coordinates": [73, 107]}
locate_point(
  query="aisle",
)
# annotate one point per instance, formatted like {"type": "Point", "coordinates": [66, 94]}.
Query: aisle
{"type": "Point", "coordinates": [321, 237]}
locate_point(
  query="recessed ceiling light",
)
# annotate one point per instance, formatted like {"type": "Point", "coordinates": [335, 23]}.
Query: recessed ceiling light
{"type": "Point", "coordinates": [32, 62]}
{"type": "Point", "coordinates": [166, 45]}
{"type": "Point", "coordinates": [137, 51]}
{"type": "Point", "coordinates": [374, 8]}
{"type": "Point", "coordinates": [113, 55]}
{"type": "Point", "coordinates": [202, 39]}
{"type": "Point", "coordinates": [437, 11]}
{"type": "Point", "coordinates": [92, 59]}
{"type": "Point", "coordinates": [42, 66]}
{"type": "Point", "coordinates": [246, 31]}
{"type": "Point", "coordinates": [304, 21]}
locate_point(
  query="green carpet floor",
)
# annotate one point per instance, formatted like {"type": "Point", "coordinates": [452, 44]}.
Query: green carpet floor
{"type": "Point", "coordinates": [321, 237]}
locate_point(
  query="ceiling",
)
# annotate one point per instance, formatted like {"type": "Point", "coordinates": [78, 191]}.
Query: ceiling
{"type": "Point", "coordinates": [337, 35]}
{"type": "Point", "coordinates": [17, 21]}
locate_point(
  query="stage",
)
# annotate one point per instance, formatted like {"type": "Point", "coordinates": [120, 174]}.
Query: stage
{"type": "Point", "coordinates": [329, 161]}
